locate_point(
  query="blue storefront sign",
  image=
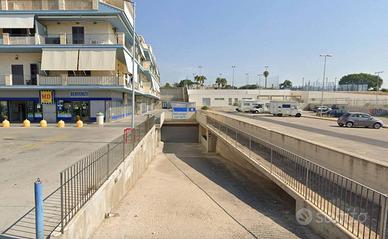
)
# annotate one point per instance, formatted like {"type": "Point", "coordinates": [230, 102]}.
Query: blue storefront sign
{"type": "Point", "coordinates": [180, 110]}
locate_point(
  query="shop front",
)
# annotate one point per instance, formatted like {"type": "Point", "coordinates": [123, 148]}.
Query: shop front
{"type": "Point", "coordinates": [70, 111]}
{"type": "Point", "coordinates": [17, 110]}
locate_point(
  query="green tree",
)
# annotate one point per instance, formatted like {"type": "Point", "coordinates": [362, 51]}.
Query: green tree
{"type": "Point", "coordinates": [200, 80]}
{"type": "Point", "coordinates": [185, 83]}
{"type": "Point", "coordinates": [221, 82]}
{"type": "Point", "coordinates": [286, 85]}
{"type": "Point", "coordinates": [167, 85]}
{"type": "Point", "coordinates": [373, 81]}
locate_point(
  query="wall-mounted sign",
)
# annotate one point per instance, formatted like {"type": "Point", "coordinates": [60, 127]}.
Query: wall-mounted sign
{"type": "Point", "coordinates": [47, 97]}
{"type": "Point", "coordinates": [180, 110]}
{"type": "Point", "coordinates": [79, 94]}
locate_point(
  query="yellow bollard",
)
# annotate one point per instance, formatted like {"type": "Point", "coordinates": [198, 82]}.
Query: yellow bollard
{"type": "Point", "coordinates": [61, 124]}
{"type": "Point", "coordinates": [6, 124]}
{"type": "Point", "coordinates": [79, 124]}
{"type": "Point", "coordinates": [43, 123]}
{"type": "Point", "coordinates": [26, 123]}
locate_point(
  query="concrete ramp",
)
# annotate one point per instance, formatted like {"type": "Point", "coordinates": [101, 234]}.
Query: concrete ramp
{"type": "Point", "coordinates": [186, 193]}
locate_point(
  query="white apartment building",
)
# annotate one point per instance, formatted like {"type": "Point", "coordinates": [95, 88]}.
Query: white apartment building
{"type": "Point", "coordinates": [60, 59]}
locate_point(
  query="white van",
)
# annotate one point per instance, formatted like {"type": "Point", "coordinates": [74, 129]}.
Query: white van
{"type": "Point", "coordinates": [253, 106]}
{"type": "Point", "coordinates": [284, 108]}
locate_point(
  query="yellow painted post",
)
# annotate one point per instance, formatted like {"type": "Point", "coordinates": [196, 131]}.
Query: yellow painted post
{"type": "Point", "coordinates": [79, 124]}
{"type": "Point", "coordinates": [26, 123]}
{"type": "Point", "coordinates": [61, 124]}
{"type": "Point", "coordinates": [6, 124]}
{"type": "Point", "coordinates": [43, 123]}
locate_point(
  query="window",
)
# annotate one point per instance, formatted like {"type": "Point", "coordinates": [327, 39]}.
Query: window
{"type": "Point", "coordinates": [247, 104]}
{"type": "Point", "coordinates": [3, 109]}
{"type": "Point", "coordinates": [64, 109]}
{"type": "Point", "coordinates": [219, 99]}
{"type": "Point", "coordinates": [246, 98]}
{"type": "Point", "coordinates": [230, 101]}
{"type": "Point", "coordinates": [286, 106]}
{"type": "Point", "coordinates": [34, 110]}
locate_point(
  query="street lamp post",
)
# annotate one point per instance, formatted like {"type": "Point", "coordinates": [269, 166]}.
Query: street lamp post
{"type": "Point", "coordinates": [133, 65]}
{"type": "Point", "coordinates": [233, 69]}
{"type": "Point", "coordinates": [247, 75]}
{"type": "Point", "coordinates": [324, 78]}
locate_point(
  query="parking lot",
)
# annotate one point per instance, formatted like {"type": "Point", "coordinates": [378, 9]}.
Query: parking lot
{"type": "Point", "coordinates": [30, 153]}
{"type": "Point", "coordinates": [365, 142]}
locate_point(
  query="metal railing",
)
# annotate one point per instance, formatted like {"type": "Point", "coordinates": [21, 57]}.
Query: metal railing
{"type": "Point", "coordinates": [93, 80]}
{"type": "Point", "coordinates": [48, 5]}
{"type": "Point", "coordinates": [21, 40]}
{"type": "Point", "coordinates": [79, 182]}
{"type": "Point", "coordinates": [50, 80]}
{"type": "Point", "coordinates": [361, 210]}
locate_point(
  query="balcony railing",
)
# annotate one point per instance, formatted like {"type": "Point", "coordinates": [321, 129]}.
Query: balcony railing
{"type": "Point", "coordinates": [63, 39]}
{"type": "Point", "coordinates": [20, 5]}
{"type": "Point", "coordinates": [81, 81]}
{"type": "Point", "coordinates": [10, 80]}
{"type": "Point", "coordinates": [21, 40]}
{"type": "Point", "coordinates": [94, 80]}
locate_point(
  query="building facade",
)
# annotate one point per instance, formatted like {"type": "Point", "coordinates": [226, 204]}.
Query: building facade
{"type": "Point", "coordinates": [224, 98]}
{"type": "Point", "coordinates": [60, 59]}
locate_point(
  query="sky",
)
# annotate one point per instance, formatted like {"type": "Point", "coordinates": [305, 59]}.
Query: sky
{"type": "Point", "coordinates": [288, 36]}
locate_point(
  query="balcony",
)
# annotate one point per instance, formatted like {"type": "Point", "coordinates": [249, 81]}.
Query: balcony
{"type": "Point", "coordinates": [25, 5]}
{"type": "Point", "coordinates": [63, 39]}
{"type": "Point", "coordinates": [82, 81]}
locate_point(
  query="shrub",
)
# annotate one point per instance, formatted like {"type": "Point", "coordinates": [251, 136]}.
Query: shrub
{"type": "Point", "coordinates": [205, 107]}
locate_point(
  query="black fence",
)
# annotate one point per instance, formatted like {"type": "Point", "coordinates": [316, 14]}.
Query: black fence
{"type": "Point", "coordinates": [359, 209]}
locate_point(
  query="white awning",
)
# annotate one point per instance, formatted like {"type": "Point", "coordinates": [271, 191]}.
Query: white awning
{"type": "Point", "coordinates": [97, 60]}
{"type": "Point", "coordinates": [59, 59]}
{"type": "Point", "coordinates": [129, 63]}
{"type": "Point", "coordinates": [16, 21]}
{"type": "Point", "coordinates": [155, 85]}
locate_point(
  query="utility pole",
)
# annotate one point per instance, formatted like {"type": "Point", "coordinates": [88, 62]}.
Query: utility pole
{"type": "Point", "coordinates": [324, 78]}
{"type": "Point", "coordinates": [133, 65]}
{"type": "Point", "coordinates": [303, 83]}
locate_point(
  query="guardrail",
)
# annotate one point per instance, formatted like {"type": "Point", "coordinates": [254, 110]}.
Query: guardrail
{"type": "Point", "coordinates": [79, 182]}
{"type": "Point", "coordinates": [361, 210]}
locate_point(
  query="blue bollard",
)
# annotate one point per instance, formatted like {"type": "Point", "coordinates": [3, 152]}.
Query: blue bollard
{"type": "Point", "coordinates": [39, 227]}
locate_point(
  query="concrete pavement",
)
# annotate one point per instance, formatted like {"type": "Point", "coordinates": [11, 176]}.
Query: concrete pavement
{"type": "Point", "coordinates": [186, 193]}
{"type": "Point", "coordinates": [30, 153]}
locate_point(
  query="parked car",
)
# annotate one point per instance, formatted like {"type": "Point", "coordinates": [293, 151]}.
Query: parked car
{"type": "Point", "coordinates": [318, 109]}
{"type": "Point", "coordinates": [357, 119]}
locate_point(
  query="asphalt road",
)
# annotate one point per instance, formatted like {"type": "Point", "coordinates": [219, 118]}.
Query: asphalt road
{"type": "Point", "coordinates": [366, 142]}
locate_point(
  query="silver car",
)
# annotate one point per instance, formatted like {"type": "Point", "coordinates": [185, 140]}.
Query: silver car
{"type": "Point", "coordinates": [357, 119]}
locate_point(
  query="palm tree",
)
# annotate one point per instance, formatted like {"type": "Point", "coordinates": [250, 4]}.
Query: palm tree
{"type": "Point", "coordinates": [266, 74]}
{"type": "Point", "coordinates": [200, 80]}
{"type": "Point", "coordinates": [221, 82]}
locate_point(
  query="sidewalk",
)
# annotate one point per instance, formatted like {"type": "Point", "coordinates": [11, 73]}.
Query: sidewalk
{"type": "Point", "coordinates": [188, 194]}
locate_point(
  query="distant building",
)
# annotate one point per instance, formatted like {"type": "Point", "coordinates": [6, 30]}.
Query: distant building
{"type": "Point", "coordinates": [64, 58]}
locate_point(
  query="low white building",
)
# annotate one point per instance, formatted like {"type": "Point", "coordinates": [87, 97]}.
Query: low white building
{"type": "Point", "coordinates": [223, 98]}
